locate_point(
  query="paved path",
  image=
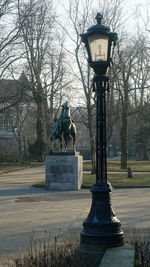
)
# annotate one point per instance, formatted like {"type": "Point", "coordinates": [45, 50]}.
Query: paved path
{"type": "Point", "coordinates": [123, 172]}
{"type": "Point", "coordinates": [25, 209]}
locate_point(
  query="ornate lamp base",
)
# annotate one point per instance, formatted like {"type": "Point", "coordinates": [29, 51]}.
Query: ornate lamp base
{"type": "Point", "coordinates": [102, 227]}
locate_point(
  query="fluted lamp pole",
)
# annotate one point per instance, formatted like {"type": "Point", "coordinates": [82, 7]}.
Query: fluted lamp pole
{"type": "Point", "coordinates": [101, 227]}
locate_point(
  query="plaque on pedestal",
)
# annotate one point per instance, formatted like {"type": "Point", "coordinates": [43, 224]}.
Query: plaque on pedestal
{"type": "Point", "coordinates": [64, 171]}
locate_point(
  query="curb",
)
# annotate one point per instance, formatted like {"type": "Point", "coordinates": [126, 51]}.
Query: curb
{"type": "Point", "coordinates": [118, 187]}
{"type": "Point", "coordinates": [119, 256]}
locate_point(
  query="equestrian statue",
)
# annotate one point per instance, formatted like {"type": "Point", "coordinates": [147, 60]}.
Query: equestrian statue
{"type": "Point", "coordinates": [63, 129]}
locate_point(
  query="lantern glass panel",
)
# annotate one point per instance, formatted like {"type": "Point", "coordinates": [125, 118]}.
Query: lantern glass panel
{"type": "Point", "coordinates": [98, 45]}
{"type": "Point", "coordinates": [112, 50]}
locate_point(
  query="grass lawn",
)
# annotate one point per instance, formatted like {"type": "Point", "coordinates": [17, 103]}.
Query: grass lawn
{"type": "Point", "coordinates": [61, 250]}
{"type": "Point", "coordinates": [116, 180]}
{"type": "Point", "coordinates": [120, 180]}
{"type": "Point", "coordinates": [11, 167]}
{"type": "Point", "coordinates": [114, 165]}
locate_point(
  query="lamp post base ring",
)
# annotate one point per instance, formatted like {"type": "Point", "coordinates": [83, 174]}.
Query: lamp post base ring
{"type": "Point", "coordinates": [101, 226]}
{"type": "Point", "coordinates": [103, 240]}
{"type": "Point", "coordinates": [101, 187]}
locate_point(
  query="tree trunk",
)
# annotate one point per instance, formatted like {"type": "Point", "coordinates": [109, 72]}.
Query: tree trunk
{"type": "Point", "coordinates": [20, 149]}
{"type": "Point", "coordinates": [123, 138]}
{"type": "Point", "coordinates": [39, 128]}
{"type": "Point", "coordinates": [51, 110]}
{"type": "Point", "coordinates": [93, 150]}
{"type": "Point", "coordinates": [92, 137]}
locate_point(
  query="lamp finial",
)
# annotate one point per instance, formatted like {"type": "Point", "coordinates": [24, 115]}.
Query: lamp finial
{"type": "Point", "coordinates": [99, 17]}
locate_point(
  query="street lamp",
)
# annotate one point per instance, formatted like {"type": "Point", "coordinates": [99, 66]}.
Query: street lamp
{"type": "Point", "coordinates": [101, 227]}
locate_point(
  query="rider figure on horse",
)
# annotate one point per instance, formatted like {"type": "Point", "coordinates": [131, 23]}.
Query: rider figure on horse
{"type": "Point", "coordinates": [63, 125]}
{"type": "Point", "coordinates": [65, 115]}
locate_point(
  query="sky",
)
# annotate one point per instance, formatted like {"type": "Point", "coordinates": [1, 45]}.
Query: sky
{"type": "Point", "coordinates": [141, 6]}
{"type": "Point", "coordinates": [130, 6]}
{"type": "Point", "coordinates": [133, 3]}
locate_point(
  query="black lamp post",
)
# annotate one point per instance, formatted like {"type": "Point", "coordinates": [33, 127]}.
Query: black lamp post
{"type": "Point", "coordinates": [101, 227]}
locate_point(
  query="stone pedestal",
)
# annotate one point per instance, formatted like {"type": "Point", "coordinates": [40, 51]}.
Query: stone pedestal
{"type": "Point", "coordinates": [64, 171]}
{"type": "Point", "coordinates": [96, 256]}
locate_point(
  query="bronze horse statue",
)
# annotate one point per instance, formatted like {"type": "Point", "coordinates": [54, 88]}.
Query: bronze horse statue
{"type": "Point", "coordinates": [64, 129]}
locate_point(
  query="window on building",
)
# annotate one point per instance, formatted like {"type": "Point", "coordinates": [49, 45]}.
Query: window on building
{"type": "Point", "coordinates": [1, 123]}
{"type": "Point", "coordinates": [5, 123]}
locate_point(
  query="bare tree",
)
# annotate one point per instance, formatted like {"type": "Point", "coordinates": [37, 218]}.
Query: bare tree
{"type": "Point", "coordinates": [36, 22]}
{"type": "Point", "coordinates": [45, 61]}
{"type": "Point", "coordinates": [8, 38]}
{"type": "Point", "coordinates": [131, 74]}
{"type": "Point", "coordinates": [81, 16]}
{"type": "Point", "coordinates": [57, 81]}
